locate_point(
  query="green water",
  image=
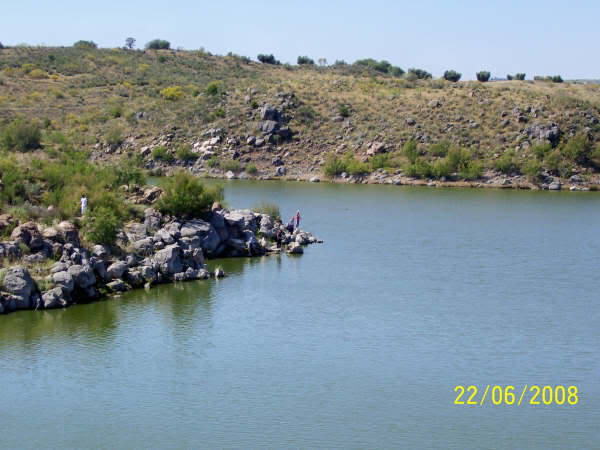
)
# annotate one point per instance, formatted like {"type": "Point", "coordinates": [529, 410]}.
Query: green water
{"type": "Point", "coordinates": [358, 343]}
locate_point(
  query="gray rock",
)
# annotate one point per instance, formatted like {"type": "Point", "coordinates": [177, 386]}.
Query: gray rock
{"type": "Point", "coordinates": [152, 219]}
{"type": "Point", "coordinates": [117, 269]}
{"type": "Point", "coordinates": [83, 276]}
{"type": "Point", "coordinates": [576, 179]}
{"type": "Point", "coordinates": [117, 286]}
{"type": "Point", "coordinates": [219, 272]}
{"type": "Point", "coordinates": [143, 246]}
{"type": "Point", "coordinates": [280, 171]}
{"type": "Point", "coordinates": [295, 249]}
{"type": "Point", "coordinates": [315, 180]}
{"type": "Point", "coordinates": [209, 238]}
{"type": "Point", "coordinates": [19, 284]}
{"type": "Point", "coordinates": [268, 112]}
{"type": "Point", "coordinates": [168, 260]}
{"type": "Point", "coordinates": [55, 298]}
{"type": "Point", "coordinates": [64, 279]}
{"type": "Point", "coordinates": [259, 142]}
{"type": "Point", "coordinates": [269, 126]}
{"type": "Point", "coordinates": [134, 277]}
{"type": "Point", "coordinates": [554, 186]}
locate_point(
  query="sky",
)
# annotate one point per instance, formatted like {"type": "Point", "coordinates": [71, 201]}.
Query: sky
{"type": "Point", "coordinates": [538, 37]}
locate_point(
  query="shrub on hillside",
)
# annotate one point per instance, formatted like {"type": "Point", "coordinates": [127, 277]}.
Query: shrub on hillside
{"type": "Point", "coordinates": [419, 74]}
{"type": "Point", "coordinates": [230, 164]}
{"type": "Point", "coordinates": [577, 149]}
{"type": "Point", "coordinates": [158, 44]}
{"type": "Point", "coordinates": [452, 75]}
{"type": "Point", "coordinates": [114, 136]}
{"type": "Point", "coordinates": [213, 87]}
{"type": "Point", "coordinates": [172, 93]}
{"type": "Point", "coordinates": [532, 168]}
{"type": "Point", "coordinates": [440, 148]}
{"type": "Point", "coordinates": [334, 166]}
{"type": "Point", "coordinates": [251, 169]}
{"type": "Point", "coordinates": [161, 153]}
{"type": "Point", "coordinates": [38, 74]}
{"type": "Point", "coordinates": [101, 226]}
{"type": "Point", "coordinates": [86, 45]}
{"type": "Point", "coordinates": [21, 135]}
{"type": "Point", "coordinates": [343, 110]}
{"type": "Point", "coordinates": [519, 76]}
{"type": "Point", "coordinates": [483, 76]}
{"type": "Point", "coordinates": [267, 59]}
{"type": "Point", "coordinates": [472, 170]}
{"type": "Point", "coordinates": [409, 149]}
{"type": "Point", "coordinates": [305, 114]}
{"type": "Point", "coordinates": [186, 196]}
{"type": "Point", "coordinates": [508, 163]}
{"type": "Point", "coordinates": [185, 153]}
{"type": "Point", "coordinates": [540, 150]}
{"type": "Point", "coordinates": [305, 60]}
{"type": "Point", "coordinates": [557, 79]}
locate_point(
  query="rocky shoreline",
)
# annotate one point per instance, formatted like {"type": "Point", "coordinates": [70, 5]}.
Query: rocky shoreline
{"type": "Point", "coordinates": [49, 267]}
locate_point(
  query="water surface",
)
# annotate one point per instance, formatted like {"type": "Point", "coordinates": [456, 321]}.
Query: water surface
{"type": "Point", "coordinates": [358, 343]}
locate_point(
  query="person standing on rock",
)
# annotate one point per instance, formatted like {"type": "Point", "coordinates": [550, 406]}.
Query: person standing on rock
{"type": "Point", "coordinates": [84, 204]}
{"type": "Point", "coordinates": [298, 219]}
{"type": "Point", "coordinates": [290, 225]}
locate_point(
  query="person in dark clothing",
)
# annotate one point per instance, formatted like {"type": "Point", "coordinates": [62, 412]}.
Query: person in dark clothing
{"type": "Point", "coordinates": [278, 237]}
{"type": "Point", "coordinates": [290, 225]}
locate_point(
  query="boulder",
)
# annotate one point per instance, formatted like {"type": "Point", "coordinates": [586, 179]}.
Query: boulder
{"type": "Point", "coordinates": [295, 249]}
{"type": "Point", "coordinates": [143, 246]}
{"type": "Point", "coordinates": [55, 298]}
{"type": "Point", "coordinates": [168, 260]}
{"type": "Point", "coordinates": [151, 194]}
{"type": "Point", "coordinates": [209, 238]}
{"type": "Point", "coordinates": [152, 219]}
{"type": "Point", "coordinates": [117, 286]}
{"type": "Point", "coordinates": [280, 171]}
{"type": "Point", "coordinates": [117, 269]}
{"type": "Point", "coordinates": [68, 233]}
{"type": "Point", "coordinates": [315, 180]}
{"type": "Point", "coordinates": [64, 279]}
{"type": "Point", "coordinates": [269, 127]}
{"type": "Point", "coordinates": [268, 112]}
{"type": "Point", "coordinates": [101, 251]}
{"type": "Point", "coordinates": [18, 283]}
{"type": "Point", "coordinates": [554, 186]}
{"type": "Point", "coordinates": [83, 276]}
{"type": "Point", "coordinates": [135, 231]}
{"type": "Point", "coordinates": [544, 132]}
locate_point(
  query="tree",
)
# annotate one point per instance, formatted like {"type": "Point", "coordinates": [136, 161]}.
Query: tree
{"type": "Point", "coordinates": [85, 45]}
{"type": "Point", "coordinates": [483, 76]}
{"type": "Point", "coordinates": [1, 46]}
{"type": "Point", "coordinates": [322, 62]}
{"type": "Point", "coordinates": [267, 59]}
{"type": "Point", "coordinates": [130, 43]}
{"type": "Point", "coordinates": [520, 76]}
{"type": "Point", "coordinates": [305, 60]}
{"type": "Point", "coordinates": [509, 77]}
{"type": "Point", "coordinates": [420, 73]}
{"type": "Point", "coordinates": [158, 44]}
{"type": "Point", "coordinates": [452, 75]}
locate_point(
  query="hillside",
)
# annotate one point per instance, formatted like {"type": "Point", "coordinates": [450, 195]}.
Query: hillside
{"type": "Point", "coordinates": [206, 112]}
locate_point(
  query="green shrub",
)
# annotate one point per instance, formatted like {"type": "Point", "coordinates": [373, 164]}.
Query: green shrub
{"type": "Point", "coordinates": [158, 44]}
{"type": "Point", "coordinates": [114, 136]}
{"type": "Point", "coordinates": [540, 150]}
{"type": "Point", "coordinates": [305, 60]}
{"type": "Point", "coordinates": [162, 154]}
{"type": "Point", "coordinates": [267, 59]}
{"type": "Point", "coordinates": [471, 171]}
{"type": "Point", "coordinates": [85, 45]}
{"type": "Point", "coordinates": [452, 75]}
{"type": "Point", "coordinates": [419, 74]}
{"type": "Point", "coordinates": [184, 153]}
{"type": "Point", "coordinates": [21, 135]}
{"type": "Point", "coordinates": [230, 164]}
{"type": "Point", "coordinates": [557, 79]}
{"type": "Point", "coordinates": [380, 161]}
{"type": "Point", "coordinates": [577, 149]}
{"type": "Point", "coordinates": [251, 169]}
{"type": "Point", "coordinates": [219, 112]}
{"type": "Point", "coordinates": [355, 167]}
{"type": "Point", "coordinates": [270, 209]}
{"type": "Point", "coordinates": [334, 165]}
{"type": "Point", "coordinates": [213, 88]}
{"type": "Point", "coordinates": [38, 74]}
{"type": "Point", "coordinates": [172, 93]}
{"type": "Point", "coordinates": [344, 111]}
{"type": "Point", "coordinates": [532, 168]}
{"type": "Point", "coordinates": [212, 162]}
{"type": "Point", "coordinates": [440, 148]}
{"type": "Point", "coordinates": [483, 76]}
{"type": "Point", "coordinates": [441, 168]}
{"type": "Point", "coordinates": [305, 114]}
{"type": "Point", "coordinates": [115, 111]}
{"type": "Point", "coordinates": [186, 196]}
{"type": "Point", "coordinates": [508, 163]}
{"type": "Point", "coordinates": [419, 169]}
{"type": "Point", "coordinates": [13, 178]}
{"type": "Point", "coordinates": [409, 149]}
{"type": "Point", "coordinates": [101, 226]}
{"type": "Point", "coordinates": [458, 158]}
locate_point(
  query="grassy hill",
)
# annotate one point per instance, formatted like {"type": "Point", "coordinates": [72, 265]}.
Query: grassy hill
{"type": "Point", "coordinates": [155, 105]}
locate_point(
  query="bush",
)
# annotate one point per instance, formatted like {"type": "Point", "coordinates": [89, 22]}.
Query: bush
{"type": "Point", "coordinates": [344, 111]}
{"type": "Point", "coordinates": [458, 158]}
{"type": "Point", "coordinates": [86, 45]}
{"type": "Point", "coordinates": [541, 150]}
{"type": "Point", "coordinates": [419, 169]}
{"type": "Point", "coordinates": [267, 59]}
{"type": "Point", "coordinates": [114, 136]}
{"type": "Point", "coordinates": [186, 196]}
{"type": "Point", "coordinates": [507, 163]}
{"type": "Point", "coordinates": [532, 169]}
{"type": "Point", "coordinates": [509, 77]}
{"type": "Point", "coordinates": [419, 74]}
{"type": "Point", "coordinates": [471, 171]}
{"type": "Point", "coordinates": [185, 153]}
{"type": "Point", "coordinates": [270, 209]}
{"type": "Point", "coordinates": [519, 76]}
{"type": "Point", "coordinates": [162, 154]}
{"type": "Point", "coordinates": [380, 161]}
{"type": "Point", "coordinates": [557, 79]}
{"type": "Point", "coordinates": [305, 60]}
{"type": "Point", "coordinates": [441, 168]}
{"type": "Point", "coordinates": [38, 74]}
{"type": "Point", "coordinates": [213, 88]}
{"type": "Point", "coordinates": [334, 166]}
{"type": "Point", "coordinates": [305, 114]}
{"type": "Point", "coordinates": [452, 75]}
{"type": "Point", "coordinates": [172, 93]}
{"type": "Point", "coordinates": [577, 149]}
{"type": "Point", "coordinates": [158, 44]}
{"type": "Point", "coordinates": [409, 149]}
{"type": "Point", "coordinates": [439, 148]}
{"type": "Point", "coordinates": [230, 164]}
{"type": "Point", "coordinates": [251, 169]}
{"type": "Point", "coordinates": [212, 162]}
{"type": "Point", "coordinates": [483, 76]}
{"type": "Point", "coordinates": [21, 135]}
{"type": "Point", "coordinates": [101, 226]}
{"type": "Point", "coordinates": [355, 167]}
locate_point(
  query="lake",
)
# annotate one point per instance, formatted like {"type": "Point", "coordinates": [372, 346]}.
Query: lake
{"type": "Point", "coordinates": [358, 343]}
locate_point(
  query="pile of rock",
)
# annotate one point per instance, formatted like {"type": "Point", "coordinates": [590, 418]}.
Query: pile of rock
{"type": "Point", "coordinates": [161, 249]}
